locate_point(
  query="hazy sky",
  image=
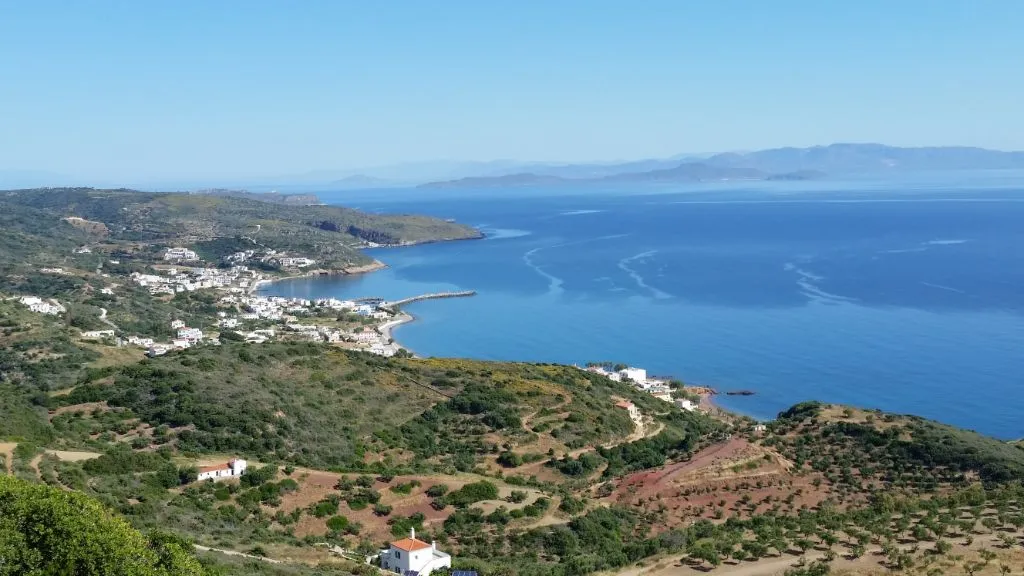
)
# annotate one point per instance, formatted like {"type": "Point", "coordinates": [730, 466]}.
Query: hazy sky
{"type": "Point", "coordinates": [167, 89]}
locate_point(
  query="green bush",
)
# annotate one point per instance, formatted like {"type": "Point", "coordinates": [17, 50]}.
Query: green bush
{"type": "Point", "coordinates": [324, 508]}
{"type": "Point", "coordinates": [337, 523]}
{"type": "Point", "coordinates": [79, 536]}
{"type": "Point", "coordinates": [437, 490]}
{"type": "Point", "coordinates": [473, 492]}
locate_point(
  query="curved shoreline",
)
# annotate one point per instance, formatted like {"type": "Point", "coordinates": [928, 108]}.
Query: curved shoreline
{"type": "Point", "coordinates": [351, 271]}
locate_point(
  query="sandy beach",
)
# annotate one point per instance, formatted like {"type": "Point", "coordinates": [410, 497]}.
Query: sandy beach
{"type": "Point", "coordinates": [388, 327]}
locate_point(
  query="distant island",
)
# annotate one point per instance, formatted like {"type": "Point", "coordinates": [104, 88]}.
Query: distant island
{"type": "Point", "coordinates": [684, 172]}
{"type": "Point", "coordinates": [776, 164]}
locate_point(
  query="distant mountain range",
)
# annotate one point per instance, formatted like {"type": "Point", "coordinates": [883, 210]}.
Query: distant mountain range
{"type": "Point", "coordinates": [839, 159]}
{"type": "Point", "coordinates": [774, 164]}
{"type": "Point", "coordinates": [835, 160]}
{"type": "Point", "coordinates": [682, 172]}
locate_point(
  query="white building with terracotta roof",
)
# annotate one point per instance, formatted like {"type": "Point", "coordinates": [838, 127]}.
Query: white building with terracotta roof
{"type": "Point", "coordinates": [412, 557]}
{"type": "Point", "coordinates": [630, 408]}
{"type": "Point", "coordinates": [229, 469]}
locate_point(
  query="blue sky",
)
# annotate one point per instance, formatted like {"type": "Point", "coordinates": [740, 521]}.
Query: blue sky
{"type": "Point", "coordinates": [135, 90]}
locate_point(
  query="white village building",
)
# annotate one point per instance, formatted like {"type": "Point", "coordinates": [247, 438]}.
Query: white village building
{"type": "Point", "coordinates": [97, 334]}
{"type": "Point", "coordinates": [638, 375]}
{"type": "Point", "coordinates": [412, 556]}
{"type": "Point", "coordinates": [297, 262]}
{"type": "Point", "coordinates": [229, 469]}
{"type": "Point", "coordinates": [41, 306]}
{"type": "Point", "coordinates": [193, 334]}
{"type": "Point", "coordinates": [686, 404]}
{"type": "Point", "coordinates": [630, 409]}
{"type": "Point", "coordinates": [180, 254]}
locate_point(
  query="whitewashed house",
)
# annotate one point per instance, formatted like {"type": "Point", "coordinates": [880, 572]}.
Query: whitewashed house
{"type": "Point", "coordinates": [296, 262]}
{"type": "Point", "coordinates": [365, 336]}
{"type": "Point", "coordinates": [193, 334]}
{"type": "Point", "coordinates": [97, 334]}
{"type": "Point", "coordinates": [180, 254]}
{"type": "Point", "coordinates": [41, 306]}
{"type": "Point", "coordinates": [229, 469]}
{"type": "Point", "coordinates": [175, 324]}
{"type": "Point", "coordinates": [630, 408]}
{"type": "Point", "coordinates": [638, 375]}
{"type": "Point", "coordinates": [686, 404]}
{"type": "Point", "coordinates": [140, 341]}
{"type": "Point", "coordinates": [157, 350]}
{"type": "Point", "coordinates": [412, 556]}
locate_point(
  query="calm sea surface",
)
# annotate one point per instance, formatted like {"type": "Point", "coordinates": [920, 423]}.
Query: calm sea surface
{"type": "Point", "coordinates": [902, 295]}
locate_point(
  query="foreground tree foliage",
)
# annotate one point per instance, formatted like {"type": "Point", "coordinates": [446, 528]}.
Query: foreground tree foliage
{"type": "Point", "coordinates": [45, 530]}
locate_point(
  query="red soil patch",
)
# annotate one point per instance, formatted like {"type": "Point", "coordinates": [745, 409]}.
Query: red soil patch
{"type": "Point", "coordinates": [729, 478]}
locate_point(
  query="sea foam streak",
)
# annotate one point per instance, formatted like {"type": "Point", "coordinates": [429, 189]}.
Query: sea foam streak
{"type": "Point", "coordinates": [807, 282]}
{"type": "Point", "coordinates": [623, 265]}
{"type": "Point", "coordinates": [554, 282]}
{"type": "Point", "coordinates": [580, 212]}
{"type": "Point", "coordinates": [941, 287]}
{"type": "Point", "coordinates": [503, 233]}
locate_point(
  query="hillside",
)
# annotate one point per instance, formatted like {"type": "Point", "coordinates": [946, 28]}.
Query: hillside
{"type": "Point", "coordinates": [514, 468]}
{"type": "Point", "coordinates": [272, 402]}
{"type": "Point", "coordinates": [330, 234]}
{"type": "Point", "coordinates": [533, 460]}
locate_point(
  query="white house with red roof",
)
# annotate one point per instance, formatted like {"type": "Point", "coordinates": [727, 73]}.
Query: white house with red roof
{"type": "Point", "coordinates": [412, 557]}
{"type": "Point", "coordinates": [630, 408]}
{"type": "Point", "coordinates": [229, 469]}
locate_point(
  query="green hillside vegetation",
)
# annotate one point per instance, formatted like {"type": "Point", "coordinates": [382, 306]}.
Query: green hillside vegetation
{"type": "Point", "coordinates": [45, 530]}
{"type": "Point", "coordinates": [320, 406]}
{"type": "Point", "coordinates": [299, 404]}
{"type": "Point", "coordinates": [140, 220]}
{"type": "Point", "coordinates": [37, 351]}
{"type": "Point", "coordinates": [856, 448]}
{"type": "Point", "coordinates": [303, 403]}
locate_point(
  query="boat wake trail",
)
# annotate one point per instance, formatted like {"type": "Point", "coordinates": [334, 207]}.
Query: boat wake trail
{"type": "Point", "coordinates": [624, 266]}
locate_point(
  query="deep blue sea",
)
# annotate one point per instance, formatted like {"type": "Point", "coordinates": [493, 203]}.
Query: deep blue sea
{"type": "Point", "coordinates": [905, 295]}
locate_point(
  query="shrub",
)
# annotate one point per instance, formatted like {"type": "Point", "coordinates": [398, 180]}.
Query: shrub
{"type": "Point", "coordinates": [257, 476]}
{"type": "Point", "coordinates": [510, 459]}
{"type": "Point", "coordinates": [337, 523]}
{"type": "Point", "coordinates": [437, 490]}
{"type": "Point", "coordinates": [571, 505]}
{"type": "Point", "coordinates": [324, 508]}
{"type": "Point", "coordinates": [517, 496]}
{"type": "Point", "coordinates": [473, 492]}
